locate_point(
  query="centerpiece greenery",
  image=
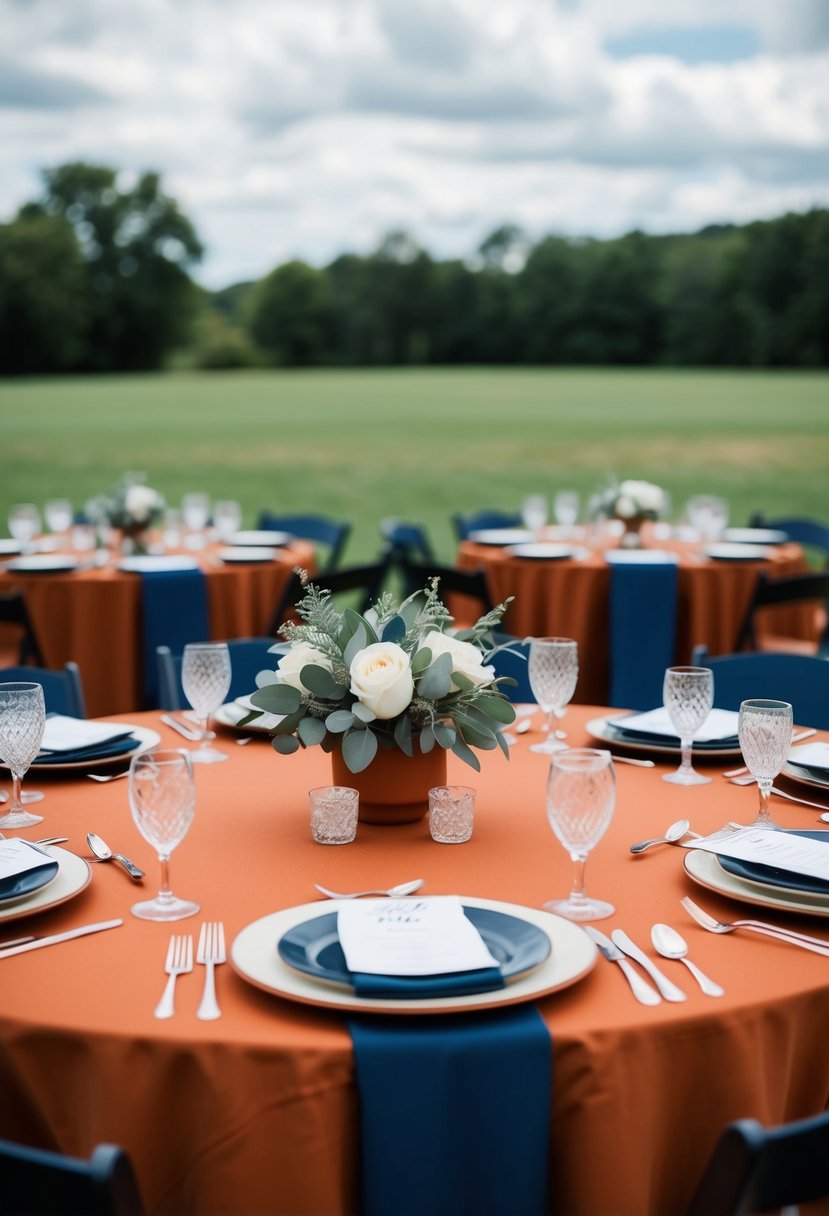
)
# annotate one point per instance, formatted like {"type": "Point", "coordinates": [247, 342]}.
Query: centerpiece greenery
{"type": "Point", "coordinates": [130, 506]}
{"type": "Point", "coordinates": [629, 500]}
{"type": "Point", "coordinates": [391, 678]}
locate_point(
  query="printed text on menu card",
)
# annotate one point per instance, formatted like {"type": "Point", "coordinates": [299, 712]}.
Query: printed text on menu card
{"type": "Point", "coordinates": [410, 937]}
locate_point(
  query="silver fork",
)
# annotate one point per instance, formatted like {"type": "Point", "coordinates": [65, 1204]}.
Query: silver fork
{"type": "Point", "coordinates": [757, 926]}
{"type": "Point", "coordinates": [211, 952]}
{"type": "Point", "coordinates": [179, 962]}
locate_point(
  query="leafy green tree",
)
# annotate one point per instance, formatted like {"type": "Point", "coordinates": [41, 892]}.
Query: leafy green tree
{"type": "Point", "coordinates": [290, 315]}
{"type": "Point", "coordinates": [43, 298]}
{"type": "Point", "coordinates": [138, 248]}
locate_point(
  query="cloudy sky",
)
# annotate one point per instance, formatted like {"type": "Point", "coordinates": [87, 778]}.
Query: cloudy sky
{"type": "Point", "coordinates": [302, 128]}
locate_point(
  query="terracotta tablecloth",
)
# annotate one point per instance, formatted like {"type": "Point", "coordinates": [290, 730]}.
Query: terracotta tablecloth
{"type": "Point", "coordinates": [570, 598]}
{"type": "Point", "coordinates": [94, 617]}
{"type": "Point", "coordinates": [257, 1112]}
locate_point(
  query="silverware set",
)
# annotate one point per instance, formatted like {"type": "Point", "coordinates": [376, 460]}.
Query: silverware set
{"type": "Point", "coordinates": [620, 948]}
{"type": "Point", "coordinates": [179, 961]}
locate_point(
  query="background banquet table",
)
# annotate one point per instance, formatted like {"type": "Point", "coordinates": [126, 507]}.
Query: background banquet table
{"type": "Point", "coordinates": [257, 1112]}
{"type": "Point", "coordinates": [93, 616]}
{"type": "Point", "coordinates": [570, 598]}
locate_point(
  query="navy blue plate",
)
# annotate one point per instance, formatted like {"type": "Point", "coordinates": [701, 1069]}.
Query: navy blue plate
{"type": "Point", "coordinates": [772, 876]}
{"type": "Point", "coordinates": [32, 880]}
{"type": "Point", "coordinates": [314, 947]}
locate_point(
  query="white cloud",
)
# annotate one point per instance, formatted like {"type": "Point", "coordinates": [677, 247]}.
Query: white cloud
{"type": "Point", "coordinates": [308, 127]}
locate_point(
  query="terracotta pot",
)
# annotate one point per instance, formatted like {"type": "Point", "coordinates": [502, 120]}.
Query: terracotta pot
{"type": "Point", "coordinates": [395, 787]}
{"type": "Point", "coordinates": [632, 535]}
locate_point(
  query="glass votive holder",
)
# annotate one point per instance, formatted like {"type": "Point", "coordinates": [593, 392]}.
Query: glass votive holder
{"type": "Point", "coordinates": [451, 810]}
{"type": "Point", "coordinates": [334, 813]}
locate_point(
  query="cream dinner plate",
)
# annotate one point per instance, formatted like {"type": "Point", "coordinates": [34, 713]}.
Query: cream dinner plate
{"type": "Point", "coordinates": [501, 536]}
{"type": "Point", "coordinates": [255, 958]}
{"type": "Point", "coordinates": [145, 739]}
{"type": "Point", "coordinates": [601, 728]}
{"type": "Point", "coordinates": [73, 875]}
{"type": "Point", "coordinates": [725, 552]}
{"type": "Point", "coordinates": [540, 551]}
{"type": "Point", "coordinates": [259, 539]}
{"type": "Point", "coordinates": [805, 776]}
{"type": "Point", "coordinates": [755, 536]}
{"type": "Point", "coordinates": [42, 563]}
{"type": "Point", "coordinates": [704, 869]}
{"type": "Point", "coordinates": [247, 553]}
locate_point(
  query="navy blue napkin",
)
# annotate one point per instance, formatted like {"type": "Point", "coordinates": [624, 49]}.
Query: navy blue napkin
{"type": "Point", "coordinates": [454, 1113]}
{"type": "Point", "coordinates": [95, 751]}
{"type": "Point", "coordinates": [174, 607]}
{"type": "Point", "coordinates": [643, 603]}
{"type": "Point", "coordinates": [450, 983]}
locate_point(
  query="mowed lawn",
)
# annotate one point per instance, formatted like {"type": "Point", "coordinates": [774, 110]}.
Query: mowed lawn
{"type": "Point", "coordinates": [420, 444]}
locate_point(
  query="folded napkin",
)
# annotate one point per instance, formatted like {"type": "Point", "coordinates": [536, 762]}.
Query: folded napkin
{"type": "Point", "coordinates": [23, 868]}
{"type": "Point", "coordinates": [454, 1113]}
{"type": "Point", "coordinates": [99, 751]}
{"type": "Point", "coordinates": [64, 734]}
{"type": "Point", "coordinates": [642, 631]}
{"type": "Point", "coordinates": [452, 983]}
{"type": "Point", "coordinates": [776, 875]}
{"type": "Point", "coordinates": [655, 726]}
{"type": "Point", "coordinates": [174, 604]}
{"type": "Point", "coordinates": [811, 755]}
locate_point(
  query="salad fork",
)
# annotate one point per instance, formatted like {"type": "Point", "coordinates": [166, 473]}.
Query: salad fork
{"type": "Point", "coordinates": [757, 926]}
{"type": "Point", "coordinates": [211, 952]}
{"type": "Point", "coordinates": [179, 962]}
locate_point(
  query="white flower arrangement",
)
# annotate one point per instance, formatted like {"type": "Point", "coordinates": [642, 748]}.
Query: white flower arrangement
{"type": "Point", "coordinates": [390, 678]}
{"type": "Point", "coordinates": [130, 505]}
{"type": "Point", "coordinates": [631, 499]}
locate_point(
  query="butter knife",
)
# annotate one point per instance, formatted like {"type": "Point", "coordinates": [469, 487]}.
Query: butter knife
{"type": "Point", "coordinates": [668, 989]}
{"type": "Point", "coordinates": [640, 988]}
{"type": "Point", "coordinates": [184, 731]}
{"type": "Point", "coordinates": [54, 938]}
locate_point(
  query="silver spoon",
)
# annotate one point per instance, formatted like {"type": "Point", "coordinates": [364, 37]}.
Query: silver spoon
{"type": "Point", "coordinates": [675, 832]}
{"type": "Point", "coordinates": [405, 888]}
{"type": "Point", "coordinates": [671, 945]}
{"type": "Point", "coordinates": [104, 853]}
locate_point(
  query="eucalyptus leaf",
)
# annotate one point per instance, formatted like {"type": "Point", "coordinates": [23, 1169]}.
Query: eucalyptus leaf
{"type": "Point", "coordinates": [363, 636]}
{"type": "Point", "coordinates": [403, 735]}
{"type": "Point", "coordinates": [339, 721]}
{"type": "Point", "coordinates": [421, 660]}
{"type": "Point", "coordinates": [286, 745]}
{"type": "Point", "coordinates": [321, 683]}
{"type": "Point", "coordinates": [290, 722]}
{"type": "Point", "coordinates": [466, 754]}
{"type": "Point", "coordinates": [445, 734]}
{"type": "Point", "coordinates": [436, 681]}
{"type": "Point", "coordinates": [277, 698]}
{"type": "Point", "coordinates": [363, 712]}
{"type": "Point", "coordinates": [395, 630]}
{"type": "Point", "coordinates": [502, 743]}
{"type": "Point", "coordinates": [359, 749]}
{"type": "Point", "coordinates": [311, 730]}
{"type": "Point", "coordinates": [462, 682]}
{"type": "Point", "coordinates": [495, 707]}
{"type": "Point", "coordinates": [427, 739]}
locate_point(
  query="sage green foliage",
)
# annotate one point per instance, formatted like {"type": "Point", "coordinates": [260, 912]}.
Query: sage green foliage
{"type": "Point", "coordinates": [447, 709]}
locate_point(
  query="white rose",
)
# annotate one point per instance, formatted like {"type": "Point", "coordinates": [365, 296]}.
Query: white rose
{"type": "Point", "coordinates": [299, 656]}
{"type": "Point", "coordinates": [648, 496]}
{"type": "Point", "coordinates": [381, 679]}
{"type": "Point", "coordinates": [466, 658]}
{"type": "Point", "coordinates": [625, 507]}
{"type": "Point", "coordinates": [140, 502]}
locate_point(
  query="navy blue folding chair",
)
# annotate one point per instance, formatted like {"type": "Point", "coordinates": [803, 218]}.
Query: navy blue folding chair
{"type": "Point", "coordinates": [330, 533]}
{"type": "Point", "coordinates": [799, 528]}
{"type": "Point", "coordinates": [35, 1182]}
{"type": "Point", "coordinates": [62, 690]}
{"type": "Point", "coordinates": [799, 679]}
{"type": "Point", "coordinates": [248, 656]}
{"type": "Point", "coordinates": [755, 1169]}
{"type": "Point", "coordinates": [480, 520]}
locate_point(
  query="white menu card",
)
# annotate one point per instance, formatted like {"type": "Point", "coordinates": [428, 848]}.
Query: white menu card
{"type": "Point", "coordinates": [429, 936]}
{"type": "Point", "coordinates": [799, 854]}
{"type": "Point", "coordinates": [18, 857]}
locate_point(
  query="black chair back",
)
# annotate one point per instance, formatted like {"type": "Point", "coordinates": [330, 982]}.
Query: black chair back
{"type": "Point", "coordinates": [330, 533]}
{"type": "Point", "coordinates": [13, 611]}
{"type": "Point", "coordinates": [471, 584]}
{"type": "Point", "coordinates": [799, 528]}
{"type": "Point", "coordinates": [798, 589]}
{"type": "Point", "coordinates": [755, 1169]}
{"type": "Point", "coordinates": [34, 1182]}
{"type": "Point", "coordinates": [367, 579]}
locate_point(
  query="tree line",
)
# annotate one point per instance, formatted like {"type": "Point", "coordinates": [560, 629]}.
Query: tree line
{"type": "Point", "coordinates": [96, 277]}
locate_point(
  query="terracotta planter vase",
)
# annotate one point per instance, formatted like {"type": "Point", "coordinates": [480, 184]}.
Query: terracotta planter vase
{"type": "Point", "coordinates": [632, 535]}
{"type": "Point", "coordinates": [395, 787]}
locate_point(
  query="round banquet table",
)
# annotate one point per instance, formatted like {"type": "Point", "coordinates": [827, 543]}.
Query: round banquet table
{"type": "Point", "coordinates": [257, 1112]}
{"type": "Point", "coordinates": [93, 615]}
{"type": "Point", "coordinates": [570, 598]}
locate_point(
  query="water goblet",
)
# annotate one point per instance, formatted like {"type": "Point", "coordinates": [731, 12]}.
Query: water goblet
{"type": "Point", "coordinates": [764, 729]}
{"type": "Point", "coordinates": [22, 721]}
{"type": "Point", "coordinates": [162, 797]}
{"type": "Point", "coordinates": [566, 509]}
{"type": "Point", "coordinates": [227, 517]}
{"type": "Point", "coordinates": [534, 512]}
{"type": "Point", "coordinates": [581, 796]}
{"type": "Point", "coordinates": [205, 678]}
{"type": "Point", "coordinates": [688, 693]}
{"type": "Point", "coordinates": [553, 670]}
{"type": "Point", "coordinates": [24, 523]}
{"type": "Point", "coordinates": [58, 515]}
{"type": "Point", "coordinates": [195, 511]}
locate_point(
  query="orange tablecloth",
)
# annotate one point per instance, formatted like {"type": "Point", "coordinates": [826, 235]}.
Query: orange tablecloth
{"type": "Point", "coordinates": [570, 598]}
{"type": "Point", "coordinates": [94, 617]}
{"type": "Point", "coordinates": [257, 1112]}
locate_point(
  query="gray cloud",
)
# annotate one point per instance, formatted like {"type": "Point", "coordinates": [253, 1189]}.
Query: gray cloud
{"type": "Point", "coordinates": [27, 88]}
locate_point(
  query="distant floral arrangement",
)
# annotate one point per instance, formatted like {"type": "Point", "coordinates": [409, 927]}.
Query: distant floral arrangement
{"type": "Point", "coordinates": [631, 500]}
{"type": "Point", "coordinates": [130, 505]}
{"type": "Point", "coordinates": [389, 678]}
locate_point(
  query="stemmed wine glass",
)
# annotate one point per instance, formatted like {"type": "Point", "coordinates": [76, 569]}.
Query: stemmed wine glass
{"type": "Point", "coordinates": [581, 796]}
{"type": "Point", "coordinates": [163, 800]}
{"type": "Point", "coordinates": [534, 512]}
{"type": "Point", "coordinates": [688, 693]}
{"type": "Point", "coordinates": [24, 523]}
{"type": "Point", "coordinates": [58, 515]}
{"type": "Point", "coordinates": [205, 678]}
{"type": "Point", "coordinates": [195, 511]}
{"type": "Point", "coordinates": [22, 721]}
{"type": "Point", "coordinates": [566, 510]}
{"type": "Point", "coordinates": [227, 517]}
{"type": "Point", "coordinates": [764, 729]}
{"type": "Point", "coordinates": [553, 670]}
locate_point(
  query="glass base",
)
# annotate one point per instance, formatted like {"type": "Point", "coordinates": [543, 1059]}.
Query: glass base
{"type": "Point", "coordinates": [681, 777]}
{"type": "Point", "coordinates": [19, 819]}
{"type": "Point", "coordinates": [548, 746]}
{"type": "Point", "coordinates": [164, 909]}
{"type": "Point", "coordinates": [583, 909]}
{"type": "Point", "coordinates": [208, 755]}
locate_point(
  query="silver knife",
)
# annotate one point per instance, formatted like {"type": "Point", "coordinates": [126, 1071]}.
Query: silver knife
{"type": "Point", "coordinates": [184, 731]}
{"type": "Point", "coordinates": [53, 938]}
{"type": "Point", "coordinates": [640, 988]}
{"type": "Point", "coordinates": [668, 989]}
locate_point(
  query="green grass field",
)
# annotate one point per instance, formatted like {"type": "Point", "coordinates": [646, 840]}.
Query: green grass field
{"type": "Point", "coordinates": [420, 444]}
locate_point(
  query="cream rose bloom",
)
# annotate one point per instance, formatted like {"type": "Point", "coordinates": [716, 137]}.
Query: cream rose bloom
{"type": "Point", "coordinates": [466, 658]}
{"type": "Point", "coordinates": [381, 679]}
{"type": "Point", "coordinates": [646, 495]}
{"type": "Point", "coordinates": [299, 656]}
{"type": "Point", "coordinates": [140, 502]}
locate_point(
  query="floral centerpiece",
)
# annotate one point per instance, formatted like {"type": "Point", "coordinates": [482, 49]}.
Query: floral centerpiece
{"type": "Point", "coordinates": [632, 502]}
{"type": "Point", "coordinates": [131, 507]}
{"type": "Point", "coordinates": [392, 680]}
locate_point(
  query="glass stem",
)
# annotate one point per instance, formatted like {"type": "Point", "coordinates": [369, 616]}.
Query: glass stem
{"type": "Point", "coordinates": [686, 751]}
{"type": "Point", "coordinates": [204, 723]}
{"type": "Point", "coordinates": [577, 895]}
{"type": "Point", "coordinates": [551, 717]}
{"type": "Point", "coordinates": [16, 805]}
{"type": "Point", "coordinates": [764, 788]}
{"type": "Point", "coordinates": [165, 893]}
